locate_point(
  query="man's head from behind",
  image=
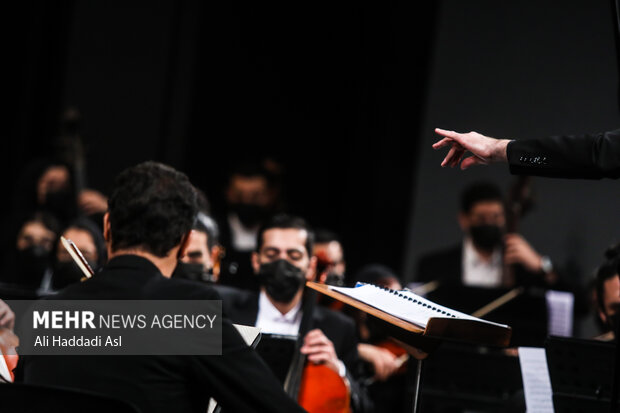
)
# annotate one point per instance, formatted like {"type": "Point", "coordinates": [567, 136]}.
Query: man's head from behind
{"type": "Point", "coordinates": [283, 258]}
{"type": "Point", "coordinates": [482, 214]}
{"type": "Point", "coordinates": [151, 209]}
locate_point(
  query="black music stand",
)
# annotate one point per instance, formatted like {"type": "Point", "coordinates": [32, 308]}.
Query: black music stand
{"type": "Point", "coordinates": [581, 373]}
{"type": "Point", "coordinates": [465, 377]}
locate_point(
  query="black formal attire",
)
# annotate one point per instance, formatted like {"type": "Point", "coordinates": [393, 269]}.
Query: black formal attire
{"type": "Point", "coordinates": [238, 379]}
{"type": "Point", "coordinates": [584, 156]}
{"type": "Point", "coordinates": [446, 266]}
{"type": "Point", "coordinates": [242, 307]}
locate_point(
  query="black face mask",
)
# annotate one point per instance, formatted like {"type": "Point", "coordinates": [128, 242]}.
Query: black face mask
{"type": "Point", "coordinates": [250, 215]}
{"type": "Point", "coordinates": [31, 265]}
{"type": "Point", "coordinates": [486, 237]}
{"type": "Point", "coordinates": [67, 272]}
{"type": "Point", "coordinates": [281, 280]}
{"type": "Point", "coordinates": [192, 271]}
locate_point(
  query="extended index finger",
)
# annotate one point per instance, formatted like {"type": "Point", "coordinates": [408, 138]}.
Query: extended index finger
{"type": "Point", "coordinates": [449, 134]}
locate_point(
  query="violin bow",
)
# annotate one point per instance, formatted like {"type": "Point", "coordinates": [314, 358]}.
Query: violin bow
{"type": "Point", "coordinates": [77, 256]}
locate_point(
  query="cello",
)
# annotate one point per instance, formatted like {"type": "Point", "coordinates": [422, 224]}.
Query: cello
{"type": "Point", "coordinates": [316, 387]}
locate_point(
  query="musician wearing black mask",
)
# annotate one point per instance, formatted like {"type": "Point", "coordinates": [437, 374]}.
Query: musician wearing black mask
{"type": "Point", "coordinates": [486, 250]}
{"type": "Point", "coordinates": [31, 259]}
{"type": "Point", "coordinates": [199, 263]}
{"type": "Point", "coordinates": [251, 198]}
{"type": "Point", "coordinates": [283, 262]}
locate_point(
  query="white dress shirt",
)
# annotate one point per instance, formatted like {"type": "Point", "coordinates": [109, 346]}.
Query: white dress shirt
{"type": "Point", "coordinates": [272, 321]}
{"type": "Point", "coordinates": [243, 239]}
{"type": "Point", "coordinates": [478, 272]}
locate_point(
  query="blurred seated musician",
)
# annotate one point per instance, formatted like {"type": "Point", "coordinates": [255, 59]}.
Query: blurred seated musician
{"type": "Point", "coordinates": [251, 198]}
{"type": "Point", "coordinates": [56, 193]}
{"type": "Point", "coordinates": [486, 250]}
{"type": "Point", "coordinates": [283, 263]}
{"type": "Point", "coordinates": [88, 238]}
{"type": "Point", "coordinates": [29, 262]}
{"type": "Point", "coordinates": [201, 262]}
{"type": "Point", "coordinates": [142, 257]}
{"type": "Point", "coordinates": [608, 292]}
{"type": "Point", "coordinates": [331, 266]}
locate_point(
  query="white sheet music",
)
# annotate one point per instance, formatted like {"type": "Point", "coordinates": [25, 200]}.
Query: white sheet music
{"type": "Point", "coordinates": [560, 313]}
{"type": "Point", "coordinates": [404, 304]}
{"type": "Point", "coordinates": [536, 382]}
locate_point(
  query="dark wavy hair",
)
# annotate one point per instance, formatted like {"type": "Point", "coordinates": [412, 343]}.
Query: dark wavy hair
{"type": "Point", "coordinates": [151, 207]}
{"type": "Point", "coordinates": [480, 192]}
{"type": "Point", "coordinates": [285, 221]}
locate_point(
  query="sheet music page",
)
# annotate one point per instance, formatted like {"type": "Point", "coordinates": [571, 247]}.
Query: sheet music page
{"type": "Point", "coordinates": [404, 304]}
{"type": "Point", "coordinates": [536, 382]}
{"type": "Point", "coordinates": [560, 312]}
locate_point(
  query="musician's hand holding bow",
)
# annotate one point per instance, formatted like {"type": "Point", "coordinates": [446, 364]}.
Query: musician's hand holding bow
{"type": "Point", "coordinates": [319, 349]}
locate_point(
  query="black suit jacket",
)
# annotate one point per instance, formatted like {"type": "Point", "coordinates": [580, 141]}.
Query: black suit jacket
{"type": "Point", "coordinates": [446, 266]}
{"type": "Point", "coordinates": [242, 307]}
{"type": "Point", "coordinates": [584, 156]}
{"type": "Point", "coordinates": [238, 379]}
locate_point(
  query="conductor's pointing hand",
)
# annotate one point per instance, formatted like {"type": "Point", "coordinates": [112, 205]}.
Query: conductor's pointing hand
{"type": "Point", "coordinates": [483, 149]}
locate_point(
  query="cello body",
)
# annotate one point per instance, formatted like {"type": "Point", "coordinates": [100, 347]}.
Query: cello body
{"type": "Point", "coordinates": [322, 390]}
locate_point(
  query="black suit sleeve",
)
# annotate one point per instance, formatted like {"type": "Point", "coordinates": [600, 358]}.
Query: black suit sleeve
{"type": "Point", "coordinates": [239, 379]}
{"type": "Point", "coordinates": [584, 156]}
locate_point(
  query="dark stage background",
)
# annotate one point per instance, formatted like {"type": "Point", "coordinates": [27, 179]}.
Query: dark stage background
{"type": "Point", "coordinates": [344, 94]}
